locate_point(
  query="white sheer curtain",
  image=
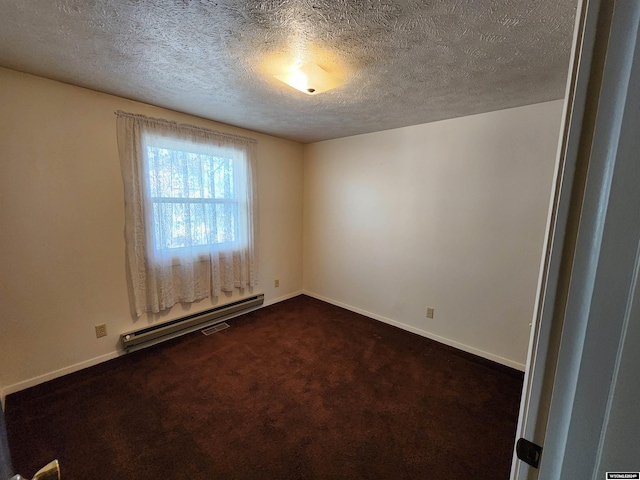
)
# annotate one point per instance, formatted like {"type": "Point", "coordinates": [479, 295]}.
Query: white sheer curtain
{"type": "Point", "coordinates": [190, 211]}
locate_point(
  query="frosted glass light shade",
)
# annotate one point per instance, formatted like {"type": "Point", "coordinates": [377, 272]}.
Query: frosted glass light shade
{"type": "Point", "coordinates": [310, 79]}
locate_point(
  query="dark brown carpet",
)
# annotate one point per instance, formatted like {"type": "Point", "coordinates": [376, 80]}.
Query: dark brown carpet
{"type": "Point", "coordinates": [297, 390]}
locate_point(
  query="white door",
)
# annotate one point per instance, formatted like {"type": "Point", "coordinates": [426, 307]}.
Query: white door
{"type": "Point", "coordinates": [588, 275]}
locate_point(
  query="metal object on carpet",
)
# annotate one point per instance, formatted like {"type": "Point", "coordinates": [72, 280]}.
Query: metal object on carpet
{"type": "Point", "coordinates": [50, 471]}
{"type": "Point", "coordinates": [215, 328]}
{"type": "Point", "coordinates": [147, 336]}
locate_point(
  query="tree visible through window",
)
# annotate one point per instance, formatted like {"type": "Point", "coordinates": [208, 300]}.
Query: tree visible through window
{"type": "Point", "coordinates": [193, 198]}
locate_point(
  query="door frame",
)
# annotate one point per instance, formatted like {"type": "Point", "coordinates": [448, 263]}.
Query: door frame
{"type": "Point", "coordinates": [569, 376]}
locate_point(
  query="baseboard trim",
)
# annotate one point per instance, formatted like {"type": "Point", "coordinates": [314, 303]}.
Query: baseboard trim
{"type": "Point", "coordinates": [32, 382]}
{"type": "Point", "coordinates": [283, 298]}
{"type": "Point", "coordinates": [423, 333]}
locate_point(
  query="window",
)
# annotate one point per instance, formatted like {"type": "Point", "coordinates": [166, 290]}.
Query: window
{"type": "Point", "coordinates": [190, 211]}
{"type": "Point", "coordinates": [195, 199]}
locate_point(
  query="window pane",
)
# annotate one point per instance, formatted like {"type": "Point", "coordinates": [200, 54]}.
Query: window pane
{"type": "Point", "coordinates": [169, 221]}
{"type": "Point", "coordinates": [223, 178]}
{"type": "Point", "coordinates": [182, 174]}
{"type": "Point", "coordinates": [223, 222]}
{"type": "Point", "coordinates": [181, 225]}
{"type": "Point", "coordinates": [176, 174]}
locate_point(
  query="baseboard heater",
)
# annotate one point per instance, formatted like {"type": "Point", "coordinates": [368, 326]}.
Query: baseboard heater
{"type": "Point", "coordinates": [164, 331]}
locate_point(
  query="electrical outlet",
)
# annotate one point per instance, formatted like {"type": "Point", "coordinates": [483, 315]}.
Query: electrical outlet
{"type": "Point", "coordinates": [430, 312]}
{"type": "Point", "coordinates": [101, 330]}
{"type": "Point", "coordinates": [276, 283]}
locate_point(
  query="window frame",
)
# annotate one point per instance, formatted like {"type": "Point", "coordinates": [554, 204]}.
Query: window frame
{"type": "Point", "coordinates": [152, 140]}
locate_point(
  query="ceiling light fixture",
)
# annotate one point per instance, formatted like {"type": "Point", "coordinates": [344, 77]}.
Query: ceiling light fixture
{"type": "Point", "coordinates": [310, 79]}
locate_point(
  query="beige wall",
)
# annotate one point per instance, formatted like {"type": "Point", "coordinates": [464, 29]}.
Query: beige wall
{"type": "Point", "coordinates": [449, 215]}
{"type": "Point", "coordinates": [62, 219]}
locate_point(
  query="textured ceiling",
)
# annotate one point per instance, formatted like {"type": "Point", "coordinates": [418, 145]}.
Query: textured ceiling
{"type": "Point", "coordinates": [403, 62]}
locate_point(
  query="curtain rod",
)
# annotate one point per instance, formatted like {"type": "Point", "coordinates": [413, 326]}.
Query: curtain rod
{"type": "Point", "coordinates": [161, 121]}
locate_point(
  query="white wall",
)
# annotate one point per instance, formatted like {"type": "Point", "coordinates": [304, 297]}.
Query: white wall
{"type": "Point", "coordinates": [449, 215]}
{"type": "Point", "coordinates": [62, 262]}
